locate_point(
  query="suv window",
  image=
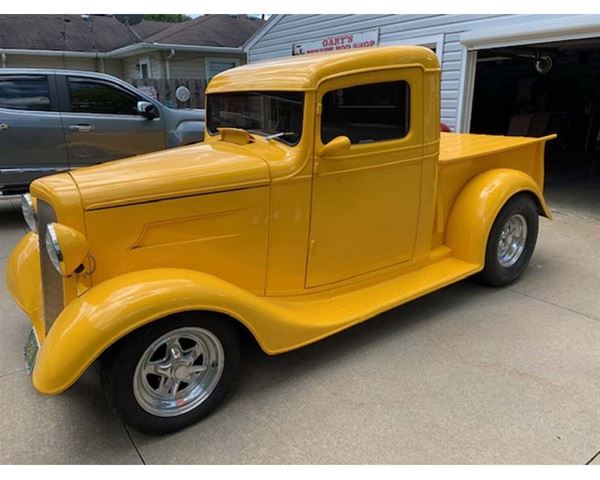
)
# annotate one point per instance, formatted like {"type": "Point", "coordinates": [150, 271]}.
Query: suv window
{"type": "Point", "coordinates": [25, 92]}
{"type": "Point", "coordinates": [367, 113]}
{"type": "Point", "coordinates": [92, 96]}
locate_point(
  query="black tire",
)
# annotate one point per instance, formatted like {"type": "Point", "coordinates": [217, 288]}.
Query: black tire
{"type": "Point", "coordinates": [119, 365]}
{"type": "Point", "coordinates": [494, 274]}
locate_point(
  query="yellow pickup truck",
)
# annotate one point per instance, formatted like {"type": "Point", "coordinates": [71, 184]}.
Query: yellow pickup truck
{"type": "Point", "coordinates": [323, 195]}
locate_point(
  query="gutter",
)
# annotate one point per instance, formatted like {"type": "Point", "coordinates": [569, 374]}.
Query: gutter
{"type": "Point", "coordinates": [168, 64]}
{"type": "Point", "coordinates": [123, 51]}
{"type": "Point", "coordinates": [50, 53]}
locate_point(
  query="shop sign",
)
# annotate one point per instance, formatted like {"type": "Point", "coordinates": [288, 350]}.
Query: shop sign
{"type": "Point", "coordinates": [345, 41]}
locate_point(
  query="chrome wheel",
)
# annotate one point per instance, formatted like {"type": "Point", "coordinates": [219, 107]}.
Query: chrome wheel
{"type": "Point", "coordinates": [512, 240]}
{"type": "Point", "coordinates": [178, 371]}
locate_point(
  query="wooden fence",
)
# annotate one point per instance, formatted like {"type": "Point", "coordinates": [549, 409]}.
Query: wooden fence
{"type": "Point", "coordinates": [164, 90]}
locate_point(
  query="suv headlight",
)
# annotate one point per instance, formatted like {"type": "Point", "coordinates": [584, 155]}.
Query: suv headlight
{"type": "Point", "coordinates": [29, 212]}
{"type": "Point", "coordinates": [66, 247]}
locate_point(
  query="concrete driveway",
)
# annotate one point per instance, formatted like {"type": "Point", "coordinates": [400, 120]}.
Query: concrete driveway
{"type": "Point", "coordinates": [465, 375]}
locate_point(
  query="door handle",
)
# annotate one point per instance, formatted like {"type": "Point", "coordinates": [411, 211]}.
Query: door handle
{"type": "Point", "coordinates": [3, 126]}
{"type": "Point", "coordinates": [82, 128]}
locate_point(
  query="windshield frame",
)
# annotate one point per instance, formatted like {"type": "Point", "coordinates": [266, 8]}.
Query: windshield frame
{"type": "Point", "coordinates": [257, 131]}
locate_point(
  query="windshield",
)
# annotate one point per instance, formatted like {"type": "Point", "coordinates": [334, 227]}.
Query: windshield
{"type": "Point", "coordinates": [268, 113]}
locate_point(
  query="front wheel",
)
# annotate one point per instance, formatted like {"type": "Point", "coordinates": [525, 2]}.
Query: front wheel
{"type": "Point", "coordinates": [172, 373]}
{"type": "Point", "coordinates": [511, 242]}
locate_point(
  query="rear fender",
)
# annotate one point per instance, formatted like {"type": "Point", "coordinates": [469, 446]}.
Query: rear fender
{"type": "Point", "coordinates": [477, 206]}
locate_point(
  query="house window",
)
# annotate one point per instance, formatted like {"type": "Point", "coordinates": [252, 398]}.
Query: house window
{"type": "Point", "coordinates": [144, 68]}
{"type": "Point", "coordinates": [214, 66]}
{"type": "Point", "coordinates": [367, 113]}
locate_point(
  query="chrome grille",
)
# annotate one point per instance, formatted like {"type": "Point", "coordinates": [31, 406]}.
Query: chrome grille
{"type": "Point", "coordinates": [52, 282]}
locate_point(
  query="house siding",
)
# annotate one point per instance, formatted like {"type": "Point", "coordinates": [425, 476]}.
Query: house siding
{"type": "Point", "coordinates": [188, 65]}
{"type": "Point", "coordinates": [113, 67]}
{"type": "Point", "coordinates": [182, 65]}
{"type": "Point", "coordinates": [130, 70]}
{"type": "Point", "coordinates": [289, 29]}
{"type": "Point", "coordinates": [34, 61]}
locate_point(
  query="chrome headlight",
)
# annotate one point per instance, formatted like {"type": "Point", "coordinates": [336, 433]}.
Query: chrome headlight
{"type": "Point", "coordinates": [29, 212]}
{"type": "Point", "coordinates": [67, 249]}
{"type": "Point", "coordinates": [53, 248]}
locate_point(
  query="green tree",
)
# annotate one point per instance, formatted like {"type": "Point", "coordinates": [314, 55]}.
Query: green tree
{"type": "Point", "coordinates": [168, 17]}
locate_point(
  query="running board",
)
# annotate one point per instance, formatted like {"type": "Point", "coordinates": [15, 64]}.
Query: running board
{"type": "Point", "coordinates": [326, 314]}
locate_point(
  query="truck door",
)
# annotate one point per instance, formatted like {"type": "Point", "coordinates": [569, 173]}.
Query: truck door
{"type": "Point", "coordinates": [32, 143]}
{"type": "Point", "coordinates": [101, 121]}
{"type": "Point", "coordinates": [365, 200]}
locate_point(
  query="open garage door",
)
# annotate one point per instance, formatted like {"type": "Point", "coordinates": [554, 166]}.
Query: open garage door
{"type": "Point", "coordinates": [538, 89]}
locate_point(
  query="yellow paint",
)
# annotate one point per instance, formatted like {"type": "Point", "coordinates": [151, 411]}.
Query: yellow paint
{"type": "Point", "coordinates": [296, 245]}
{"type": "Point", "coordinates": [23, 280]}
{"type": "Point", "coordinates": [235, 135]}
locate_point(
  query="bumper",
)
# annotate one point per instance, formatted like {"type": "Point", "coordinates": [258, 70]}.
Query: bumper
{"type": "Point", "coordinates": [23, 279]}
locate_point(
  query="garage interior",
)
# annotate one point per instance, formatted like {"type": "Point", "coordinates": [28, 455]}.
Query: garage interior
{"type": "Point", "coordinates": [537, 89]}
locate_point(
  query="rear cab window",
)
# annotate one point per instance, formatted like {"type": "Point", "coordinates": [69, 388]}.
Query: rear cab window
{"type": "Point", "coordinates": [367, 113]}
{"type": "Point", "coordinates": [95, 96]}
{"type": "Point", "coordinates": [25, 92]}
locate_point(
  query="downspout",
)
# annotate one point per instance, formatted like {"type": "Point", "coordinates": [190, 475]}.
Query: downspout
{"type": "Point", "coordinates": [3, 56]}
{"type": "Point", "coordinates": [168, 64]}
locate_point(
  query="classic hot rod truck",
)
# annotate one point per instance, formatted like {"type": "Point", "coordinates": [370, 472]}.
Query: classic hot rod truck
{"type": "Point", "coordinates": [323, 195]}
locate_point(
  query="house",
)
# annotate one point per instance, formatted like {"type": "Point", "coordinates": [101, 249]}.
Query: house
{"type": "Point", "coordinates": [158, 55]}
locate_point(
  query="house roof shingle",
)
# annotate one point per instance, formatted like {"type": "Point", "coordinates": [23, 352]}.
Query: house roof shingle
{"type": "Point", "coordinates": [104, 33]}
{"type": "Point", "coordinates": [210, 30]}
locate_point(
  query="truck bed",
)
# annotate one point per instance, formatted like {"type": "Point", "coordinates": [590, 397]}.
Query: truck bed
{"type": "Point", "coordinates": [463, 146]}
{"type": "Point", "coordinates": [463, 156]}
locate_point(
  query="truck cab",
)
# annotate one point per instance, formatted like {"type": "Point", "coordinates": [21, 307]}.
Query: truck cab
{"type": "Point", "coordinates": [359, 147]}
{"type": "Point", "coordinates": [323, 195]}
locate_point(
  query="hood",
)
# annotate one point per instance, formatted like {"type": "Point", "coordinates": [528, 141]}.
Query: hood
{"type": "Point", "coordinates": [184, 115]}
{"type": "Point", "coordinates": [170, 173]}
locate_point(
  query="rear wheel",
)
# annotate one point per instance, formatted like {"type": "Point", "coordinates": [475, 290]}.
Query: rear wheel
{"type": "Point", "coordinates": [172, 373]}
{"type": "Point", "coordinates": [511, 242]}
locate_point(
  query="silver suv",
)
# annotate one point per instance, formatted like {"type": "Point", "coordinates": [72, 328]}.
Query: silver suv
{"type": "Point", "coordinates": [54, 120]}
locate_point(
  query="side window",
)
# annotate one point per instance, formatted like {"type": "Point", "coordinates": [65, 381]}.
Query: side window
{"type": "Point", "coordinates": [25, 92]}
{"type": "Point", "coordinates": [91, 96]}
{"type": "Point", "coordinates": [367, 113]}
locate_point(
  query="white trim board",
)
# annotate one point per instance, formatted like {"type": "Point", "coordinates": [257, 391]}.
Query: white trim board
{"type": "Point", "coordinates": [563, 28]}
{"type": "Point", "coordinates": [261, 32]}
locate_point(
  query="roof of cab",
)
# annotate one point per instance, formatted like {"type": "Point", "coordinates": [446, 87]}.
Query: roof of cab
{"type": "Point", "coordinates": [305, 72]}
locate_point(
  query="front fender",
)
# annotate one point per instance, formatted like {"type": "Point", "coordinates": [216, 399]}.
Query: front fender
{"type": "Point", "coordinates": [116, 307]}
{"type": "Point", "coordinates": [477, 206]}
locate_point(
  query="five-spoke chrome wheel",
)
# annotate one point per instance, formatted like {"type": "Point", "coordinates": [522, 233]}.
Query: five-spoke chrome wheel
{"type": "Point", "coordinates": [178, 371]}
{"type": "Point", "coordinates": [513, 239]}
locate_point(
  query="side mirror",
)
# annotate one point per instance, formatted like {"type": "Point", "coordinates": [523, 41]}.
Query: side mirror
{"type": "Point", "coordinates": [146, 109]}
{"type": "Point", "coordinates": [337, 146]}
